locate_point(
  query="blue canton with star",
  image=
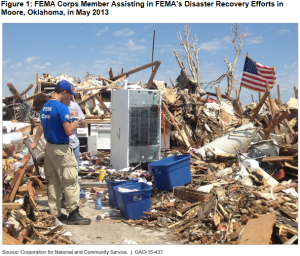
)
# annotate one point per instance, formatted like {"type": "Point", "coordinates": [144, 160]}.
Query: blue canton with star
{"type": "Point", "coordinates": [250, 66]}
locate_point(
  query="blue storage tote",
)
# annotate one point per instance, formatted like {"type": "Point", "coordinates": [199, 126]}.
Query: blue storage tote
{"type": "Point", "coordinates": [171, 172]}
{"type": "Point", "coordinates": [111, 193]}
{"type": "Point", "coordinates": [133, 204]}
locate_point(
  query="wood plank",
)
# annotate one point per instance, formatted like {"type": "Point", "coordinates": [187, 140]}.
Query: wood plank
{"type": "Point", "coordinates": [287, 151]}
{"type": "Point", "coordinates": [15, 92]}
{"type": "Point", "coordinates": [284, 187]}
{"type": "Point", "coordinates": [54, 237]}
{"type": "Point", "coordinates": [8, 239]}
{"type": "Point", "coordinates": [4, 214]}
{"type": "Point", "coordinates": [277, 158]}
{"type": "Point", "coordinates": [184, 227]}
{"type": "Point", "coordinates": [30, 86]}
{"type": "Point", "coordinates": [38, 85]}
{"type": "Point", "coordinates": [237, 107]}
{"type": "Point", "coordinates": [34, 205]}
{"type": "Point", "coordinates": [255, 111]}
{"type": "Point", "coordinates": [191, 195]}
{"type": "Point", "coordinates": [35, 95]}
{"type": "Point", "coordinates": [287, 124]}
{"type": "Point", "coordinates": [237, 93]}
{"type": "Point", "coordinates": [271, 127]}
{"type": "Point", "coordinates": [222, 95]}
{"type": "Point", "coordinates": [52, 231]}
{"type": "Point", "coordinates": [102, 103]}
{"type": "Point", "coordinates": [110, 73]}
{"type": "Point", "coordinates": [291, 166]}
{"type": "Point", "coordinates": [98, 121]}
{"type": "Point", "coordinates": [218, 91]}
{"type": "Point", "coordinates": [185, 208]}
{"type": "Point", "coordinates": [10, 206]}
{"type": "Point", "coordinates": [113, 85]}
{"type": "Point", "coordinates": [82, 89]}
{"type": "Point", "coordinates": [37, 233]}
{"type": "Point", "coordinates": [185, 140]}
{"type": "Point", "coordinates": [105, 79]}
{"type": "Point", "coordinates": [283, 116]}
{"type": "Point", "coordinates": [35, 179]}
{"type": "Point", "coordinates": [296, 92]}
{"type": "Point", "coordinates": [150, 81]}
{"type": "Point", "coordinates": [14, 185]}
{"type": "Point", "coordinates": [259, 231]}
{"type": "Point", "coordinates": [279, 97]}
{"type": "Point", "coordinates": [154, 63]}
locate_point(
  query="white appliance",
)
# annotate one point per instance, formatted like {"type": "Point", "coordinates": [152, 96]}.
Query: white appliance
{"type": "Point", "coordinates": [135, 127]}
{"type": "Point", "coordinates": [82, 132]}
{"type": "Point", "coordinates": [102, 133]}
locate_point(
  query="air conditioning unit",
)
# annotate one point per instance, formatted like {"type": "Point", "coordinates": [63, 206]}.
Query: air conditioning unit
{"type": "Point", "coordinates": [135, 127]}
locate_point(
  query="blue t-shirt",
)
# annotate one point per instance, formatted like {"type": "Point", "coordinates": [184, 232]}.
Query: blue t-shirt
{"type": "Point", "coordinates": [53, 115]}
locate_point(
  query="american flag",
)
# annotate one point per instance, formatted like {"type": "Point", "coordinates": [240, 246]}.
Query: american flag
{"type": "Point", "coordinates": [255, 75]}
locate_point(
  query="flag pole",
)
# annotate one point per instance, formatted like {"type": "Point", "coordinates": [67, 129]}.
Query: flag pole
{"type": "Point", "coordinates": [238, 99]}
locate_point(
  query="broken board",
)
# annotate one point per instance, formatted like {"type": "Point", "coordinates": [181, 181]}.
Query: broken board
{"type": "Point", "coordinates": [191, 195]}
{"type": "Point", "coordinates": [259, 231]}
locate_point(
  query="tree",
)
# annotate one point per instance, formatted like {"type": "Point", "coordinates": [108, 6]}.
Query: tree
{"type": "Point", "coordinates": [190, 47]}
{"type": "Point", "coordinates": [235, 36]}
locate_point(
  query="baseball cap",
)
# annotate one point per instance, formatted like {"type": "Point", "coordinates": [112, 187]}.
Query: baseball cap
{"type": "Point", "coordinates": [66, 86]}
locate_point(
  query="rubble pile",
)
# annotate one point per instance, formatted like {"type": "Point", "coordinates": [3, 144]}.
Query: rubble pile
{"type": "Point", "coordinates": [244, 163]}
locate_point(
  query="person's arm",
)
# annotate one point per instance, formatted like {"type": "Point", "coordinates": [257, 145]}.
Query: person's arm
{"type": "Point", "coordinates": [69, 127]}
{"type": "Point", "coordinates": [37, 137]}
{"type": "Point", "coordinates": [82, 123]}
{"type": "Point", "coordinates": [78, 113]}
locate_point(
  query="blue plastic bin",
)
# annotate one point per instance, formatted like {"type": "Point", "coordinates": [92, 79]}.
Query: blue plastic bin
{"type": "Point", "coordinates": [111, 193]}
{"type": "Point", "coordinates": [171, 172]}
{"type": "Point", "coordinates": [134, 204]}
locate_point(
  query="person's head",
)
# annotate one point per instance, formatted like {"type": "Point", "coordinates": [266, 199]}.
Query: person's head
{"type": "Point", "coordinates": [64, 88]}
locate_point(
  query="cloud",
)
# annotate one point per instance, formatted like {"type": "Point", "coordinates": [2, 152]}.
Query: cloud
{"type": "Point", "coordinates": [72, 47]}
{"type": "Point", "coordinates": [148, 26]}
{"type": "Point", "coordinates": [100, 32]}
{"type": "Point", "coordinates": [124, 32]}
{"type": "Point", "coordinates": [5, 61]}
{"type": "Point", "coordinates": [214, 45]}
{"type": "Point", "coordinates": [281, 74]}
{"type": "Point", "coordinates": [41, 67]}
{"type": "Point", "coordinates": [31, 59]}
{"type": "Point", "coordinates": [227, 39]}
{"type": "Point", "coordinates": [282, 31]}
{"type": "Point", "coordinates": [292, 66]}
{"type": "Point", "coordinates": [210, 65]}
{"type": "Point", "coordinates": [143, 41]}
{"type": "Point", "coordinates": [254, 40]}
{"type": "Point", "coordinates": [17, 65]}
{"type": "Point", "coordinates": [132, 46]}
{"type": "Point", "coordinates": [107, 61]}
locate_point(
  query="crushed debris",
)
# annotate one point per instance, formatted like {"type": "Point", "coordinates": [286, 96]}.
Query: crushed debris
{"type": "Point", "coordinates": [243, 167]}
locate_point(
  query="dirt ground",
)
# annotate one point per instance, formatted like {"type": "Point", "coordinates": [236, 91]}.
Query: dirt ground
{"type": "Point", "coordinates": [109, 233]}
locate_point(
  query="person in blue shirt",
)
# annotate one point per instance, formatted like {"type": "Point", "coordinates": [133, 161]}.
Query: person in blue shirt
{"type": "Point", "coordinates": [60, 164]}
{"type": "Point", "coordinates": [75, 111]}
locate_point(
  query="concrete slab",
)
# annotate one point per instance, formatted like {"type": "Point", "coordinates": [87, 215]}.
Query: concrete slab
{"type": "Point", "coordinates": [110, 233]}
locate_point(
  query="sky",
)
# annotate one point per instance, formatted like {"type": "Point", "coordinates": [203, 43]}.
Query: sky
{"type": "Point", "coordinates": [77, 48]}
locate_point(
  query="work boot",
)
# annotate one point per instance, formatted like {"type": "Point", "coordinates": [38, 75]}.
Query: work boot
{"type": "Point", "coordinates": [81, 202]}
{"type": "Point", "coordinates": [75, 218]}
{"type": "Point", "coordinates": [62, 217]}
